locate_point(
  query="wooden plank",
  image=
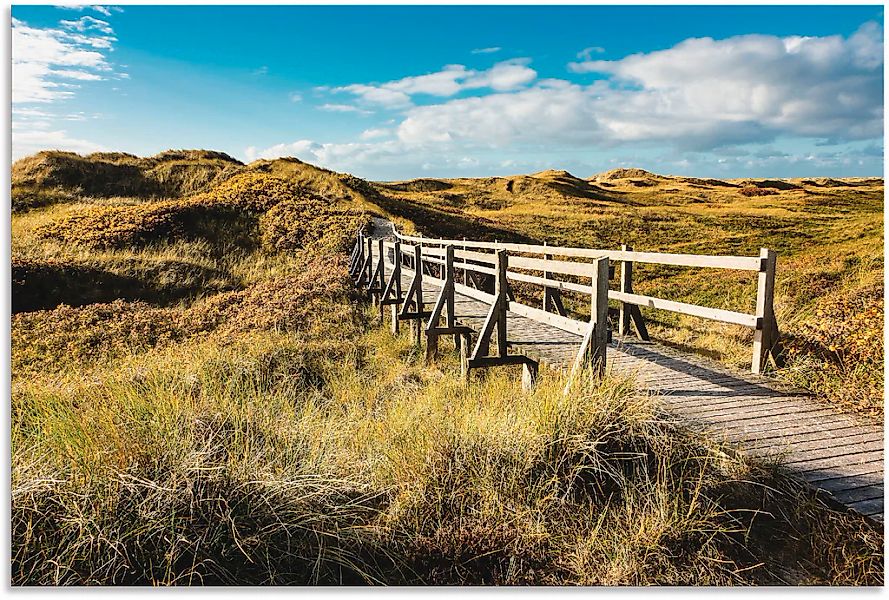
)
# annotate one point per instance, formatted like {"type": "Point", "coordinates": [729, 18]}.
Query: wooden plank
{"type": "Point", "coordinates": [839, 483]}
{"type": "Point", "coordinates": [868, 507]}
{"type": "Point", "coordinates": [859, 469]}
{"type": "Point", "coordinates": [843, 459]}
{"type": "Point", "coordinates": [714, 314]}
{"type": "Point", "coordinates": [816, 439]}
{"type": "Point", "coordinates": [554, 266]}
{"type": "Point", "coordinates": [474, 293]}
{"type": "Point", "coordinates": [550, 283]}
{"type": "Point", "coordinates": [869, 492]}
{"type": "Point", "coordinates": [558, 321]}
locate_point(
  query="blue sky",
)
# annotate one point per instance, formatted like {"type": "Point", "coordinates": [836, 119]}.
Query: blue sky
{"type": "Point", "coordinates": [398, 92]}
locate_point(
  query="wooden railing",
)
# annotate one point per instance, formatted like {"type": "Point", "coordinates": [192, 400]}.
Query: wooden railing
{"type": "Point", "coordinates": [488, 267]}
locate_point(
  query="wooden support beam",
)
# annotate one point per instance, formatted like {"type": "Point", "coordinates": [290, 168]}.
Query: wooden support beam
{"type": "Point", "coordinates": [639, 322]}
{"type": "Point", "coordinates": [599, 315]}
{"type": "Point", "coordinates": [529, 375]}
{"type": "Point", "coordinates": [414, 315]}
{"type": "Point", "coordinates": [626, 286]}
{"type": "Point", "coordinates": [496, 317]}
{"type": "Point", "coordinates": [444, 301]}
{"type": "Point", "coordinates": [593, 350]}
{"type": "Point", "coordinates": [359, 258]}
{"type": "Point", "coordinates": [499, 361]}
{"type": "Point", "coordinates": [552, 297]}
{"type": "Point", "coordinates": [377, 282]}
{"type": "Point", "coordinates": [414, 298]}
{"type": "Point", "coordinates": [392, 292]}
{"type": "Point", "coordinates": [765, 337]}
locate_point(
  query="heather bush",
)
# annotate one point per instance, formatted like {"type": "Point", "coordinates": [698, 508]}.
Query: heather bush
{"type": "Point", "coordinates": [313, 300]}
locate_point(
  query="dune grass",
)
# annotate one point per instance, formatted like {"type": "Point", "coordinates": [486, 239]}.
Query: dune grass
{"type": "Point", "coordinates": [268, 459]}
{"type": "Point", "coordinates": [231, 413]}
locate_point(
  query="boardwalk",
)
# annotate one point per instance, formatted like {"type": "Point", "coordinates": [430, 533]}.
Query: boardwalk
{"type": "Point", "coordinates": [833, 452]}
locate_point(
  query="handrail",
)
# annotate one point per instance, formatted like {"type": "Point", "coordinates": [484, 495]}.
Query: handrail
{"type": "Point", "coordinates": [740, 263]}
{"type": "Point", "coordinates": [762, 321]}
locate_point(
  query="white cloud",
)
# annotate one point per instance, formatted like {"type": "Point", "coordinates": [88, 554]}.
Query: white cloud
{"type": "Point", "coordinates": [42, 56]}
{"type": "Point", "coordinates": [103, 10]}
{"type": "Point", "coordinates": [87, 23]}
{"type": "Point", "coordinates": [344, 108]}
{"type": "Point", "coordinates": [700, 94]}
{"type": "Point", "coordinates": [370, 134]}
{"type": "Point", "coordinates": [28, 140]}
{"type": "Point", "coordinates": [449, 81]}
{"type": "Point", "coordinates": [754, 86]}
{"type": "Point", "coordinates": [45, 64]}
{"type": "Point", "coordinates": [490, 50]}
{"type": "Point", "coordinates": [586, 53]}
{"type": "Point", "coordinates": [295, 97]}
{"type": "Point", "coordinates": [689, 101]}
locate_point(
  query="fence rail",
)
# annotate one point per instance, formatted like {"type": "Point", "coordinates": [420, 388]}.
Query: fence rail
{"type": "Point", "coordinates": [486, 268]}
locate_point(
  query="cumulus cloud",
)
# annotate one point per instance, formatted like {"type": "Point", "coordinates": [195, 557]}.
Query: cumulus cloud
{"type": "Point", "coordinates": [343, 108]}
{"type": "Point", "coordinates": [49, 65]}
{"type": "Point", "coordinates": [374, 133]}
{"type": "Point", "coordinates": [694, 99]}
{"type": "Point", "coordinates": [449, 81]}
{"type": "Point", "coordinates": [750, 86]}
{"type": "Point", "coordinates": [26, 140]}
{"type": "Point", "coordinates": [490, 50]}
{"type": "Point", "coordinates": [40, 57]}
{"type": "Point", "coordinates": [701, 93]}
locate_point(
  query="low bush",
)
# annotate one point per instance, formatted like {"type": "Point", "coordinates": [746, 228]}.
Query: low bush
{"type": "Point", "coordinates": [838, 352]}
{"type": "Point", "coordinates": [46, 283]}
{"type": "Point", "coordinates": [752, 190]}
{"type": "Point", "coordinates": [248, 210]}
{"type": "Point", "coordinates": [314, 299]}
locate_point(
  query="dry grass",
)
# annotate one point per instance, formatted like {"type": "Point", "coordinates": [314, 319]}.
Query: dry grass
{"type": "Point", "coordinates": [269, 459]}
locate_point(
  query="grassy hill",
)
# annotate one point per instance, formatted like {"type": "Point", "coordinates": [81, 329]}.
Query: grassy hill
{"type": "Point", "coordinates": [200, 397]}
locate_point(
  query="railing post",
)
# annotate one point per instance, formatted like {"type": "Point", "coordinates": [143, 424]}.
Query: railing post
{"type": "Point", "coordinates": [465, 270]}
{"type": "Point", "coordinates": [381, 281]}
{"type": "Point", "coordinates": [765, 337]}
{"type": "Point", "coordinates": [445, 302]}
{"type": "Point", "coordinates": [369, 256]}
{"type": "Point", "coordinates": [397, 274]}
{"type": "Point", "coordinates": [599, 316]}
{"type": "Point", "coordinates": [626, 285]}
{"type": "Point", "coordinates": [417, 325]}
{"type": "Point", "coordinates": [450, 320]}
{"type": "Point", "coordinates": [546, 275]}
{"type": "Point", "coordinates": [501, 300]}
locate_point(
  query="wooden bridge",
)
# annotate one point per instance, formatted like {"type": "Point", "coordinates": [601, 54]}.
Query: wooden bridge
{"type": "Point", "coordinates": [463, 289]}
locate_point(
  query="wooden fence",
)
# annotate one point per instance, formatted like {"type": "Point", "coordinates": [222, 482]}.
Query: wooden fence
{"type": "Point", "coordinates": [486, 268]}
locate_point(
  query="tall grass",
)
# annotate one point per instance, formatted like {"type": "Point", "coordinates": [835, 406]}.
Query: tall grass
{"type": "Point", "coordinates": [272, 460]}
